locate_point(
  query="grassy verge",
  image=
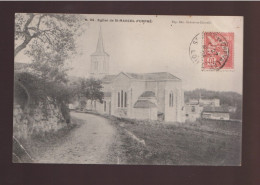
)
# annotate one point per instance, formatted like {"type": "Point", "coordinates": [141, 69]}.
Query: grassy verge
{"type": "Point", "coordinates": [199, 143]}
{"type": "Point", "coordinates": [126, 149]}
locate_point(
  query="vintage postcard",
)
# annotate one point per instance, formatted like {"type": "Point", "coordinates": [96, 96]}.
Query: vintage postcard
{"type": "Point", "coordinates": [128, 89]}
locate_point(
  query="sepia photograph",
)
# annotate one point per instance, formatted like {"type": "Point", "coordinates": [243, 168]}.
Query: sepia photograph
{"type": "Point", "coordinates": [128, 89]}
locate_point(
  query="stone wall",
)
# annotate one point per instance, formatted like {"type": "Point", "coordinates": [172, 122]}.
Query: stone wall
{"type": "Point", "coordinates": [36, 120]}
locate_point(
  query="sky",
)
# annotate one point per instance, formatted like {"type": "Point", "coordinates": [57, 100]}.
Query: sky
{"type": "Point", "coordinates": [161, 44]}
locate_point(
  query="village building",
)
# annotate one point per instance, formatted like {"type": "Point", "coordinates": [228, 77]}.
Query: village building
{"type": "Point", "coordinates": [193, 110]}
{"type": "Point", "coordinates": [137, 95]}
{"type": "Point", "coordinates": [215, 113]}
{"type": "Point", "coordinates": [194, 107]}
{"type": "Point", "coordinates": [213, 102]}
{"type": "Point", "coordinates": [232, 109]}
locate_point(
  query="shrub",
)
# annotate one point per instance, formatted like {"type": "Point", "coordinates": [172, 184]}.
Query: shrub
{"type": "Point", "coordinates": [30, 91]}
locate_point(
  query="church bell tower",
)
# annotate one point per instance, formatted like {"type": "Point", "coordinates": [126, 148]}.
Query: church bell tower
{"type": "Point", "coordinates": [99, 60]}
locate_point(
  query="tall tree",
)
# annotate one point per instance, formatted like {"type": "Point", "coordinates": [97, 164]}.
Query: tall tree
{"type": "Point", "coordinates": [91, 89]}
{"type": "Point", "coordinates": [50, 31]}
{"type": "Point", "coordinates": [49, 40]}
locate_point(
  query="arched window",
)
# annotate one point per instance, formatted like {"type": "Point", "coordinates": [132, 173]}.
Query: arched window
{"type": "Point", "coordinates": [125, 99]}
{"type": "Point", "coordinates": [171, 99]}
{"type": "Point", "coordinates": [122, 98]}
{"type": "Point", "coordinates": [118, 99]}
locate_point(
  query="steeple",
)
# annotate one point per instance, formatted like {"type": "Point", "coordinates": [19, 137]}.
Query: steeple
{"type": "Point", "coordinates": [100, 46]}
{"type": "Point", "coordinates": [99, 60]}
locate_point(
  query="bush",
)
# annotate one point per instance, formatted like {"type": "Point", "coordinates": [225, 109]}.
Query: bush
{"type": "Point", "coordinates": [30, 91]}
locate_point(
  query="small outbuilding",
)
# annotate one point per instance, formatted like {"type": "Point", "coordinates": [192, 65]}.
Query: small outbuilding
{"type": "Point", "coordinates": [215, 113]}
{"type": "Point", "coordinates": [193, 111]}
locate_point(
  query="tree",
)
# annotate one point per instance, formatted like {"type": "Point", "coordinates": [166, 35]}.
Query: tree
{"type": "Point", "coordinates": [49, 40]}
{"type": "Point", "coordinates": [91, 89]}
{"type": "Point", "coordinates": [52, 31]}
{"type": "Point", "coordinates": [94, 88]}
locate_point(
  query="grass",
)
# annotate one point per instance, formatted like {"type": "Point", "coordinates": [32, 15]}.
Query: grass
{"type": "Point", "coordinates": [203, 142]}
{"type": "Point", "coordinates": [200, 143]}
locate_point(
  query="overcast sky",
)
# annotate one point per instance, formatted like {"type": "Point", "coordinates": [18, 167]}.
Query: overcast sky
{"type": "Point", "coordinates": [162, 45]}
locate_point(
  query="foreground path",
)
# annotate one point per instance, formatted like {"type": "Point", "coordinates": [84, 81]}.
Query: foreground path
{"type": "Point", "coordinates": [88, 144]}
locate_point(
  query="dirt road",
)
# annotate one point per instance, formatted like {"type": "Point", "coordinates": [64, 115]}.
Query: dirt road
{"type": "Point", "coordinates": [88, 144]}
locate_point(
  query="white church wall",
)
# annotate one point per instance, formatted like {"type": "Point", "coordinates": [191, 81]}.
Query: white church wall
{"type": "Point", "coordinates": [151, 86]}
{"type": "Point", "coordinates": [138, 88]}
{"type": "Point", "coordinates": [161, 96]}
{"type": "Point", "coordinates": [145, 113]}
{"type": "Point", "coordinates": [119, 85]}
{"type": "Point", "coordinates": [174, 113]}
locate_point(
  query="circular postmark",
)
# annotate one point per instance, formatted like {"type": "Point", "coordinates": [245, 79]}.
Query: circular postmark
{"type": "Point", "coordinates": [215, 51]}
{"type": "Point", "coordinates": [195, 49]}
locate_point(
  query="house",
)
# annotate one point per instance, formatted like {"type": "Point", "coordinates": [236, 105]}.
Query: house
{"type": "Point", "coordinates": [215, 113]}
{"type": "Point", "coordinates": [193, 110]}
{"type": "Point", "coordinates": [195, 107]}
{"type": "Point", "coordinates": [215, 102]}
{"type": "Point", "coordinates": [137, 95]}
{"type": "Point", "coordinates": [232, 109]}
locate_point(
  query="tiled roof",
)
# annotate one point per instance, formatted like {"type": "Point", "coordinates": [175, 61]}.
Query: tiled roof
{"type": "Point", "coordinates": [215, 109]}
{"type": "Point", "coordinates": [153, 76]}
{"type": "Point", "coordinates": [108, 78]}
{"type": "Point", "coordinates": [144, 104]}
{"type": "Point", "coordinates": [144, 76]}
{"type": "Point", "coordinates": [148, 94]}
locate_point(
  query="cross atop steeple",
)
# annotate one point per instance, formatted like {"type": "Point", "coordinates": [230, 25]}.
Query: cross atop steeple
{"type": "Point", "coordinates": [100, 46]}
{"type": "Point", "coordinates": [99, 60]}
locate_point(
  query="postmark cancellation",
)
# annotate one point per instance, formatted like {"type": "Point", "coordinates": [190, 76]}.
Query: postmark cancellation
{"type": "Point", "coordinates": [218, 51]}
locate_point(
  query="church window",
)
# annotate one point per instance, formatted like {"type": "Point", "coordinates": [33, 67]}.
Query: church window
{"type": "Point", "coordinates": [122, 98]}
{"type": "Point", "coordinates": [125, 99]}
{"type": "Point", "coordinates": [105, 106]}
{"type": "Point", "coordinates": [118, 100]}
{"type": "Point", "coordinates": [171, 99]}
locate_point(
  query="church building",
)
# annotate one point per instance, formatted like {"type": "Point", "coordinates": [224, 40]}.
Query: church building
{"type": "Point", "coordinates": [151, 96]}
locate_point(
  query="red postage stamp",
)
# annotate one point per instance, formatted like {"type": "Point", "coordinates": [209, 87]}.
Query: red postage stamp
{"type": "Point", "coordinates": [218, 51]}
